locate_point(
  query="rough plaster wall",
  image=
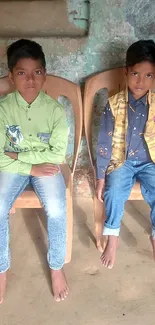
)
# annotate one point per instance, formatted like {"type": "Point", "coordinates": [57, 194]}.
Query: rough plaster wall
{"type": "Point", "coordinates": [113, 26]}
{"type": "Point", "coordinates": [42, 18]}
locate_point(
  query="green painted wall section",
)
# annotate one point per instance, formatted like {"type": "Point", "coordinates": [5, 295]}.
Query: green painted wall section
{"type": "Point", "coordinates": [79, 13]}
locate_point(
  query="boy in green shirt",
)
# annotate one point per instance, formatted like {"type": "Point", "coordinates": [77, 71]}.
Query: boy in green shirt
{"type": "Point", "coordinates": [33, 142]}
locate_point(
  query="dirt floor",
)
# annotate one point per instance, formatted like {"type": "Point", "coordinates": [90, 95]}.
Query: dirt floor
{"type": "Point", "coordinates": [124, 295]}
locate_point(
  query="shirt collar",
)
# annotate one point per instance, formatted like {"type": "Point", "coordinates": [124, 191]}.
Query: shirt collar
{"type": "Point", "coordinates": [131, 98]}
{"type": "Point", "coordinates": [22, 102]}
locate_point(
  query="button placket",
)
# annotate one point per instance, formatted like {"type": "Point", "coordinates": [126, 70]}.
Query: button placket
{"type": "Point", "coordinates": [29, 106]}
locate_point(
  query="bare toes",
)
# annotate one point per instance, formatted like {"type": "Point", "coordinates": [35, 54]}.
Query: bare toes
{"type": "Point", "coordinates": [106, 263]}
{"type": "Point", "coordinates": [57, 298]}
{"type": "Point", "coordinates": [63, 295]}
{"type": "Point", "coordinates": [102, 260]}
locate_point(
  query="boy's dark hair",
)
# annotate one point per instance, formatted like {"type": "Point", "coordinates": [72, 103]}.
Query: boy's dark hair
{"type": "Point", "coordinates": [23, 49]}
{"type": "Point", "coordinates": [143, 50]}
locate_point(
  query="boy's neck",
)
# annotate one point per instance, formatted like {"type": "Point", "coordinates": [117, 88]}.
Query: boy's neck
{"type": "Point", "coordinates": [29, 99]}
{"type": "Point", "coordinates": [137, 97]}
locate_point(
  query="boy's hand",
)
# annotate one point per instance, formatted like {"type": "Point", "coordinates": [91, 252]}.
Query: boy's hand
{"type": "Point", "coordinates": [100, 185]}
{"type": "Point", "coordinates": [12, 155]}
{"type": "Point", "coordinates": [44, 170]}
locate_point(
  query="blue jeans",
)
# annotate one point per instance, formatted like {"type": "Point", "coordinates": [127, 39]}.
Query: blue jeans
{"type": "Point", "coordinates": [52, 194]}
{"type": "Point", "coordinates": [118, 186]}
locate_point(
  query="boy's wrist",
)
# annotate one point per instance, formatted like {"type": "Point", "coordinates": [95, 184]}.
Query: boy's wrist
{"type": "Point", "coordinates": [100, 182]}
{"type": "Point", "coordinates": [12, 155]}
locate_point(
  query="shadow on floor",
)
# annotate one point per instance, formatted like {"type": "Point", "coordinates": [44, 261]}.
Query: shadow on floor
{"type": "Point", "coordinates": [140, 212]}
{"type": "Point", "coordinates": [127, 236]}
{"type": "Point", "coordinates": [35, 221]}
{"type": "Point", "coordinates": [84, 232]}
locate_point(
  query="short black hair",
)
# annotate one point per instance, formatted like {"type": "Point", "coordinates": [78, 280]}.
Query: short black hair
{"type": "Point", "coordinates": [23, 49]}
{"type": "Point", "coordinates": [140, 51]}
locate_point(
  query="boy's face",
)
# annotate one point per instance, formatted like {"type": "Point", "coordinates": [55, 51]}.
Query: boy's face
{"type": "Point", "coordinates": [140, 78]}
{"type": "Point", "coordinates": [28, 77]}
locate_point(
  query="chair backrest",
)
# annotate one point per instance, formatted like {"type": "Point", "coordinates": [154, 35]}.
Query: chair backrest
{"type": "Point", "coordinates": [55, 87]}
{"type": "Point", "coordinates": [113, 81]}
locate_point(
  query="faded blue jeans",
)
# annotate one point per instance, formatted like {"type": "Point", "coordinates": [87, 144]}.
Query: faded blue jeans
{"type": "Point", "coordinates": [52, 194]}
{"type": "Point", "coordinates": [119, 184]}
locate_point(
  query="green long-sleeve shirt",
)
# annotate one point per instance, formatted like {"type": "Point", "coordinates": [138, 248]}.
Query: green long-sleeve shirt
{"type": "Point", "coordinates": [37, 131]}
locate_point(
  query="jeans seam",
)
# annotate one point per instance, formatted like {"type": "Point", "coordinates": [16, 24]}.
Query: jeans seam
{"type": "Point", "coordinates": [43, 202]}
{"type": "Point", "coordinates": [19, 192]}
{"type": "Point", "coordinates": [11, 200]}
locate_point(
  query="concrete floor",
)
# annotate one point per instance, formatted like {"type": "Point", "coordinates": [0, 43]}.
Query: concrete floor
{"type": "Point", "coordinates": [124, 295]}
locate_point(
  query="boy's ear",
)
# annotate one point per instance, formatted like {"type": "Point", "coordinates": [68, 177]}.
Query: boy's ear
{"type": "Point", "coordinates": [45, 74]}
{"type": "Point", "coordinates": [10, 76]}
{"type": "Point", "coordinates": [126, 71]}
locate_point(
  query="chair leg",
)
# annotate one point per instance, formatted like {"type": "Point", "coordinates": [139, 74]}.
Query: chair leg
{"type": "Point", "coordinates": [99, 218]}
{"type": "Point", "coordinates": [69, 221]}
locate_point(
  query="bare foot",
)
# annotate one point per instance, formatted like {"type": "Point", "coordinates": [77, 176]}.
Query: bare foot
{"type": "Point", "coordinates": [101, 243]}
{"type": "Point", "coordinates": [152, 240]}
{"type": "Point", "coordinates": [59, 285]}
{"type": "Point", "coordinates": [109, 254]}
{"type": "Point", "coordinates": [2, 286]}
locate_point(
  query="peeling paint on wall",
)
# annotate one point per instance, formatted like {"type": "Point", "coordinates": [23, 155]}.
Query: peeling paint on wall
{"type": "Point", "coordinates": [78, 13]}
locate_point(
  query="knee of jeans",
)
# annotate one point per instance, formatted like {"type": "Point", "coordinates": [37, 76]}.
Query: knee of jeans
{"type": "Point", "coordinates": [112, 190]}
{"type": "Point", "coordinates": [115, 185]}
{"type": "Point", "coordinates": [55, 210]}
{"type": "Point", "coordinates": [115, 194]}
